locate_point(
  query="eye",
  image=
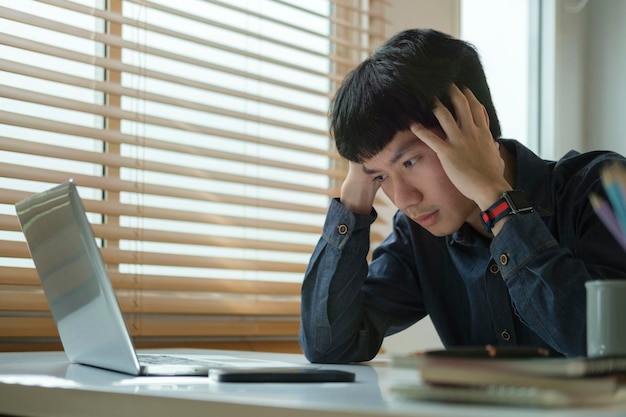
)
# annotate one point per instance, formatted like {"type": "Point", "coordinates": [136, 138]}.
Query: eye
{"type": "Point", "coordinates": [380, 178]}
{"type": "Point", "coordinates": [410, 162]}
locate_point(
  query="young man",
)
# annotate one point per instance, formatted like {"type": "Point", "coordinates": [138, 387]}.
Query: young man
{"type": "Point", "coordinates": [492, 242]}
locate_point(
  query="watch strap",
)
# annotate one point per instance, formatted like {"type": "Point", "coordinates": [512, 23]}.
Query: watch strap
{"type": "Point", "coordinates": [511, 202]}
{"type": "Point", "coordinates": [494, 213]}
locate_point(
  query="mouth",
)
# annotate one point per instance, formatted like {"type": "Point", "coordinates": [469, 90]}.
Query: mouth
{"type": "Point", "coordinates": [427, 219]}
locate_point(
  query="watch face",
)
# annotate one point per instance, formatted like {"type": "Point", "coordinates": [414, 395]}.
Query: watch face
{"type": "Point", "coordinates": [518, 201]}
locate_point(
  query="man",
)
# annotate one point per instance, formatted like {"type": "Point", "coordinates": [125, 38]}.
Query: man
{"type": "Point", "coordinates": [492, 242]}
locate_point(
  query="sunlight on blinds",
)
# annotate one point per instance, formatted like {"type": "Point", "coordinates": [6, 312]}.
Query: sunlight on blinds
{"type": "Point", "coordinates": [242, 140]}
{"type": "Point", "coordinates": [197, 134]}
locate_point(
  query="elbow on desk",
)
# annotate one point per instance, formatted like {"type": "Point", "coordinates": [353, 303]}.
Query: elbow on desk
{"type": "Point", "coordinates": [315, 352]}
{"type": "Point", "coordinates": [312, 353]}
{"type": "Point", "coordinates": [328, 354]}
{"type": "Point", "coordinates": [315, 356]}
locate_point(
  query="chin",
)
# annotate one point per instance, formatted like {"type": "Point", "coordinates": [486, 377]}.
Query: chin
{"type": "Point", "coordinates": [438, 231]}
{"type": "Point", "coordinates": [438, 234]}
{"type": "Point", "coordinates": [441, 230]}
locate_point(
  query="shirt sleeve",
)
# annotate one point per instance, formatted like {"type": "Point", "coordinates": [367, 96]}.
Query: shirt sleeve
{"type": "Point", "coordinates": [344, 318]}
{"type": "Point", "coordinates": [546, 274]}
{"type": "Point", "coordinates": [331, 302]}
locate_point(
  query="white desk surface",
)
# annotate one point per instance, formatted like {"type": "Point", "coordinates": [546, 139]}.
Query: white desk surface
{"type": "Point", "coordinates": [46, 384]}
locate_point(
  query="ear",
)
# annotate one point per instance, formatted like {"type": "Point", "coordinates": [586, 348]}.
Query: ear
{"type": "Point", "coordinates": [486, 115]}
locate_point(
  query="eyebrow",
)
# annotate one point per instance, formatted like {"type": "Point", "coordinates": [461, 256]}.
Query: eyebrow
{"type": "Point", "coordinates": [400, 152]}
{"type": "Point", "coordinates": [368, 171]}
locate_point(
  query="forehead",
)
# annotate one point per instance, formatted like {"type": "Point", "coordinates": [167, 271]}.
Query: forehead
{"type": "Point", "coordinates": [401, 144]}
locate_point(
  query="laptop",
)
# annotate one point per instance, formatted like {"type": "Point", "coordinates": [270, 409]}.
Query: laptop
{"type": "Point", "coordinates": [81, 298]}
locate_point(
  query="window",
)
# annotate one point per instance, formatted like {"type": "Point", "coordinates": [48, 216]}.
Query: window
{"type": "Point", "coordinates": [197, 134]}
{"type": "Point", "coordinates": [501, 31]}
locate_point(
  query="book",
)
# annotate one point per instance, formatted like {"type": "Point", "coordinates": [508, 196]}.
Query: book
{"type": "Point", "coordinates": [476, 374]}
{"type": "Point", "coordinates": [539, 366]}
{"type": "Point", "coordinates": [511, 376]}
{"type": "Point", "coordinates": [502, 395]}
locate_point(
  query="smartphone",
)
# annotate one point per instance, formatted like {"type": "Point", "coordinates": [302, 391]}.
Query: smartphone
{"type": "Point", "coordinates": [297, 374]}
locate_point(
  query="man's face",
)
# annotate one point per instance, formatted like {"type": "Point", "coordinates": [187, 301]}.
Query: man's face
{"type": "Point", "coordinates": [414, 180]}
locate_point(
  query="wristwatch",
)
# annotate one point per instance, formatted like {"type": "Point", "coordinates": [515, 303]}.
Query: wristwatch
{"type": "Point", "coordinates": [511, 202]}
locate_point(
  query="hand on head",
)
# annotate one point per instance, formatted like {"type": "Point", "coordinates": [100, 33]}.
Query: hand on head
{"type": "Point", "coordinates": [468, 154]}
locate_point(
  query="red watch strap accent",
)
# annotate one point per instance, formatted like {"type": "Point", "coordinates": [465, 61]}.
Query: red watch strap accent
{"type": "Point", "coordinates": [494, 211]}
{"type": "Point", "coordinates": [498, 210]}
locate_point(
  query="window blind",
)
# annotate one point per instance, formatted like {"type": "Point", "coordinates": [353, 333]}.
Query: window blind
{"type": "Point", "coordinates": [196, 132]}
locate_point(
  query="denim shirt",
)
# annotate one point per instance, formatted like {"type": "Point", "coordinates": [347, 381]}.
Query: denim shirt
{"type": "Point", "coordinates": [523, 287]}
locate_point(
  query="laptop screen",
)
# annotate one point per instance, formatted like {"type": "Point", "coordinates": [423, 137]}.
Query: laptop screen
{"type": "Point", "coordinates": [74, 279]}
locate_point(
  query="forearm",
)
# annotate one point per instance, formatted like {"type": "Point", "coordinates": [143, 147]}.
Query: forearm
{"type": "Point", "coordinates": [333, 323]}
{"type": "Point", "coordinates": [545, 282]}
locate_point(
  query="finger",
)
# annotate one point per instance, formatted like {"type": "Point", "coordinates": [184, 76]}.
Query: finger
{"type": "Point", "coordinates": [465, 118]}
{"type": "Point", "coordinates": [445, 119]}
{"type": "Point", "coordinates": [479, 112]}
{"type": "Point", "coordinates": [431, 139]}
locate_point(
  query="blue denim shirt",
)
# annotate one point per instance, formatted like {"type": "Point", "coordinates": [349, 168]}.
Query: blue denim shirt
{"type": "Point", "coordinates": [524, 287]}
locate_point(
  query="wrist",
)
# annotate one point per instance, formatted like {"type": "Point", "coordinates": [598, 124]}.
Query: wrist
{"type": "Point", "coordinates": [357, 202]}
{"type": "Point", "coordinates": [510, 203]}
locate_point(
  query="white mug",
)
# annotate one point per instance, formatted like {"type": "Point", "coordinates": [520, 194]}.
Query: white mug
{"type": "Point", "coordinates": [606, 318]}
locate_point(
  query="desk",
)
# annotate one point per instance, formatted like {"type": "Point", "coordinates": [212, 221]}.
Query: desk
{"type": "Point", "coordinates": [45, 384]}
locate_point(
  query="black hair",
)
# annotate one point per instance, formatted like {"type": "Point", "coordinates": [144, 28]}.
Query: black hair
{"type": "Point", "coordinates": [397, 85]}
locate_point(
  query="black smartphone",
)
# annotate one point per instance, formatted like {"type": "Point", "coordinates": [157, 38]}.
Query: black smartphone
{"type": "Point", "coordinates": [297, 374]}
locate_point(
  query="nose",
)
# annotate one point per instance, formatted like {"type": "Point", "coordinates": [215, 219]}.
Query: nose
{"type": "Point", "coordinates": [404, 194]}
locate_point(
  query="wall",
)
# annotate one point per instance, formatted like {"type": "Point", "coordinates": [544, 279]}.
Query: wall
{"type": "Point", "coordinates": [605, 101]}
{"type": "Point", "coordinates": [584, 63]}
{"type": "Point", "coordinates": [442, 15]}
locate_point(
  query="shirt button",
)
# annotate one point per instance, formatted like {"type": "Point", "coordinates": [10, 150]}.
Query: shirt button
{"type": "Point", "coordinates": [506, 336]}
{"type": "Point", "coordinates": [342, 229]}
{"type": "Point", "coordinates": [493, 268]}
{"type": "Point", "coordinates": [504, 259]}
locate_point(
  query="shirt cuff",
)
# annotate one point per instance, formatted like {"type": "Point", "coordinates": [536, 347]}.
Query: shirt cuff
{"type": "Point", "coordinates": [522, 237]}
{"type": "Point", "coordinates": [341, 223]}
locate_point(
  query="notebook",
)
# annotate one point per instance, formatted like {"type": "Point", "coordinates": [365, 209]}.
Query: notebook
{"type": "Point", "coordinates": [81, 298]}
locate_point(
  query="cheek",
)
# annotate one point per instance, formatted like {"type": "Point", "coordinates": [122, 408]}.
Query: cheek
{"type": "Point", "coordinates": [438, 182]}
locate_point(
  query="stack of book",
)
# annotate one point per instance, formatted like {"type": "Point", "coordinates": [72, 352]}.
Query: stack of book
{"type": "Point", "coordinates": [612, 212]}
{"type": "Point", "coordinates": [511, 378]}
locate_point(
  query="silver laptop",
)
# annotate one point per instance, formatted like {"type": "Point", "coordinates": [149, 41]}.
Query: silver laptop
{"type": "Point", "coordinates": [81, 298]}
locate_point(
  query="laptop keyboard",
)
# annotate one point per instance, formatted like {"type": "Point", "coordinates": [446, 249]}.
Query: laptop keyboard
{"type": "Point", "coordinates": [168, 360]}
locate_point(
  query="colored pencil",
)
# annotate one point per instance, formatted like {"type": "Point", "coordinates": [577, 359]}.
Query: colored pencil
{"type": "Point", "coordinates": [614, 183]}
{"type": "Point", "coordinates": [604, 212]}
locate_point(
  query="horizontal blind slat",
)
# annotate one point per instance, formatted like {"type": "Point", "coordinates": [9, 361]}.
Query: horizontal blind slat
{"type": "Point", "coordinates": [115, 65]}
{"type": "Point", "coordinates": [111, 208]}
{"type": "Point", "coordinates": [166, 303]}
{"type": "Point", "coordinates": [110, 160]}
{"type": "Point", "coordinates": [118, 42]}
{"type": "Point", "coordinates": [11, 249]}
{"type": "Point", "coordinates": [118, 185]}
{"type": "Point", "coordinates": [27, 277]}
{"type": "Point", "coordinates": [283, 344]}
{"type": "Point", "coordinates": [117, 89]}
{"type": "Point", "coordinates": [146, 235]}
{"type": "Point", "coordinates": [16, 119]}
{"type": "Point", "coordinates": [116, 113]}
{"type": "Point", "coordinates": [115, 17]}
{"type": "Point", "coordinates": [154, 327]}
